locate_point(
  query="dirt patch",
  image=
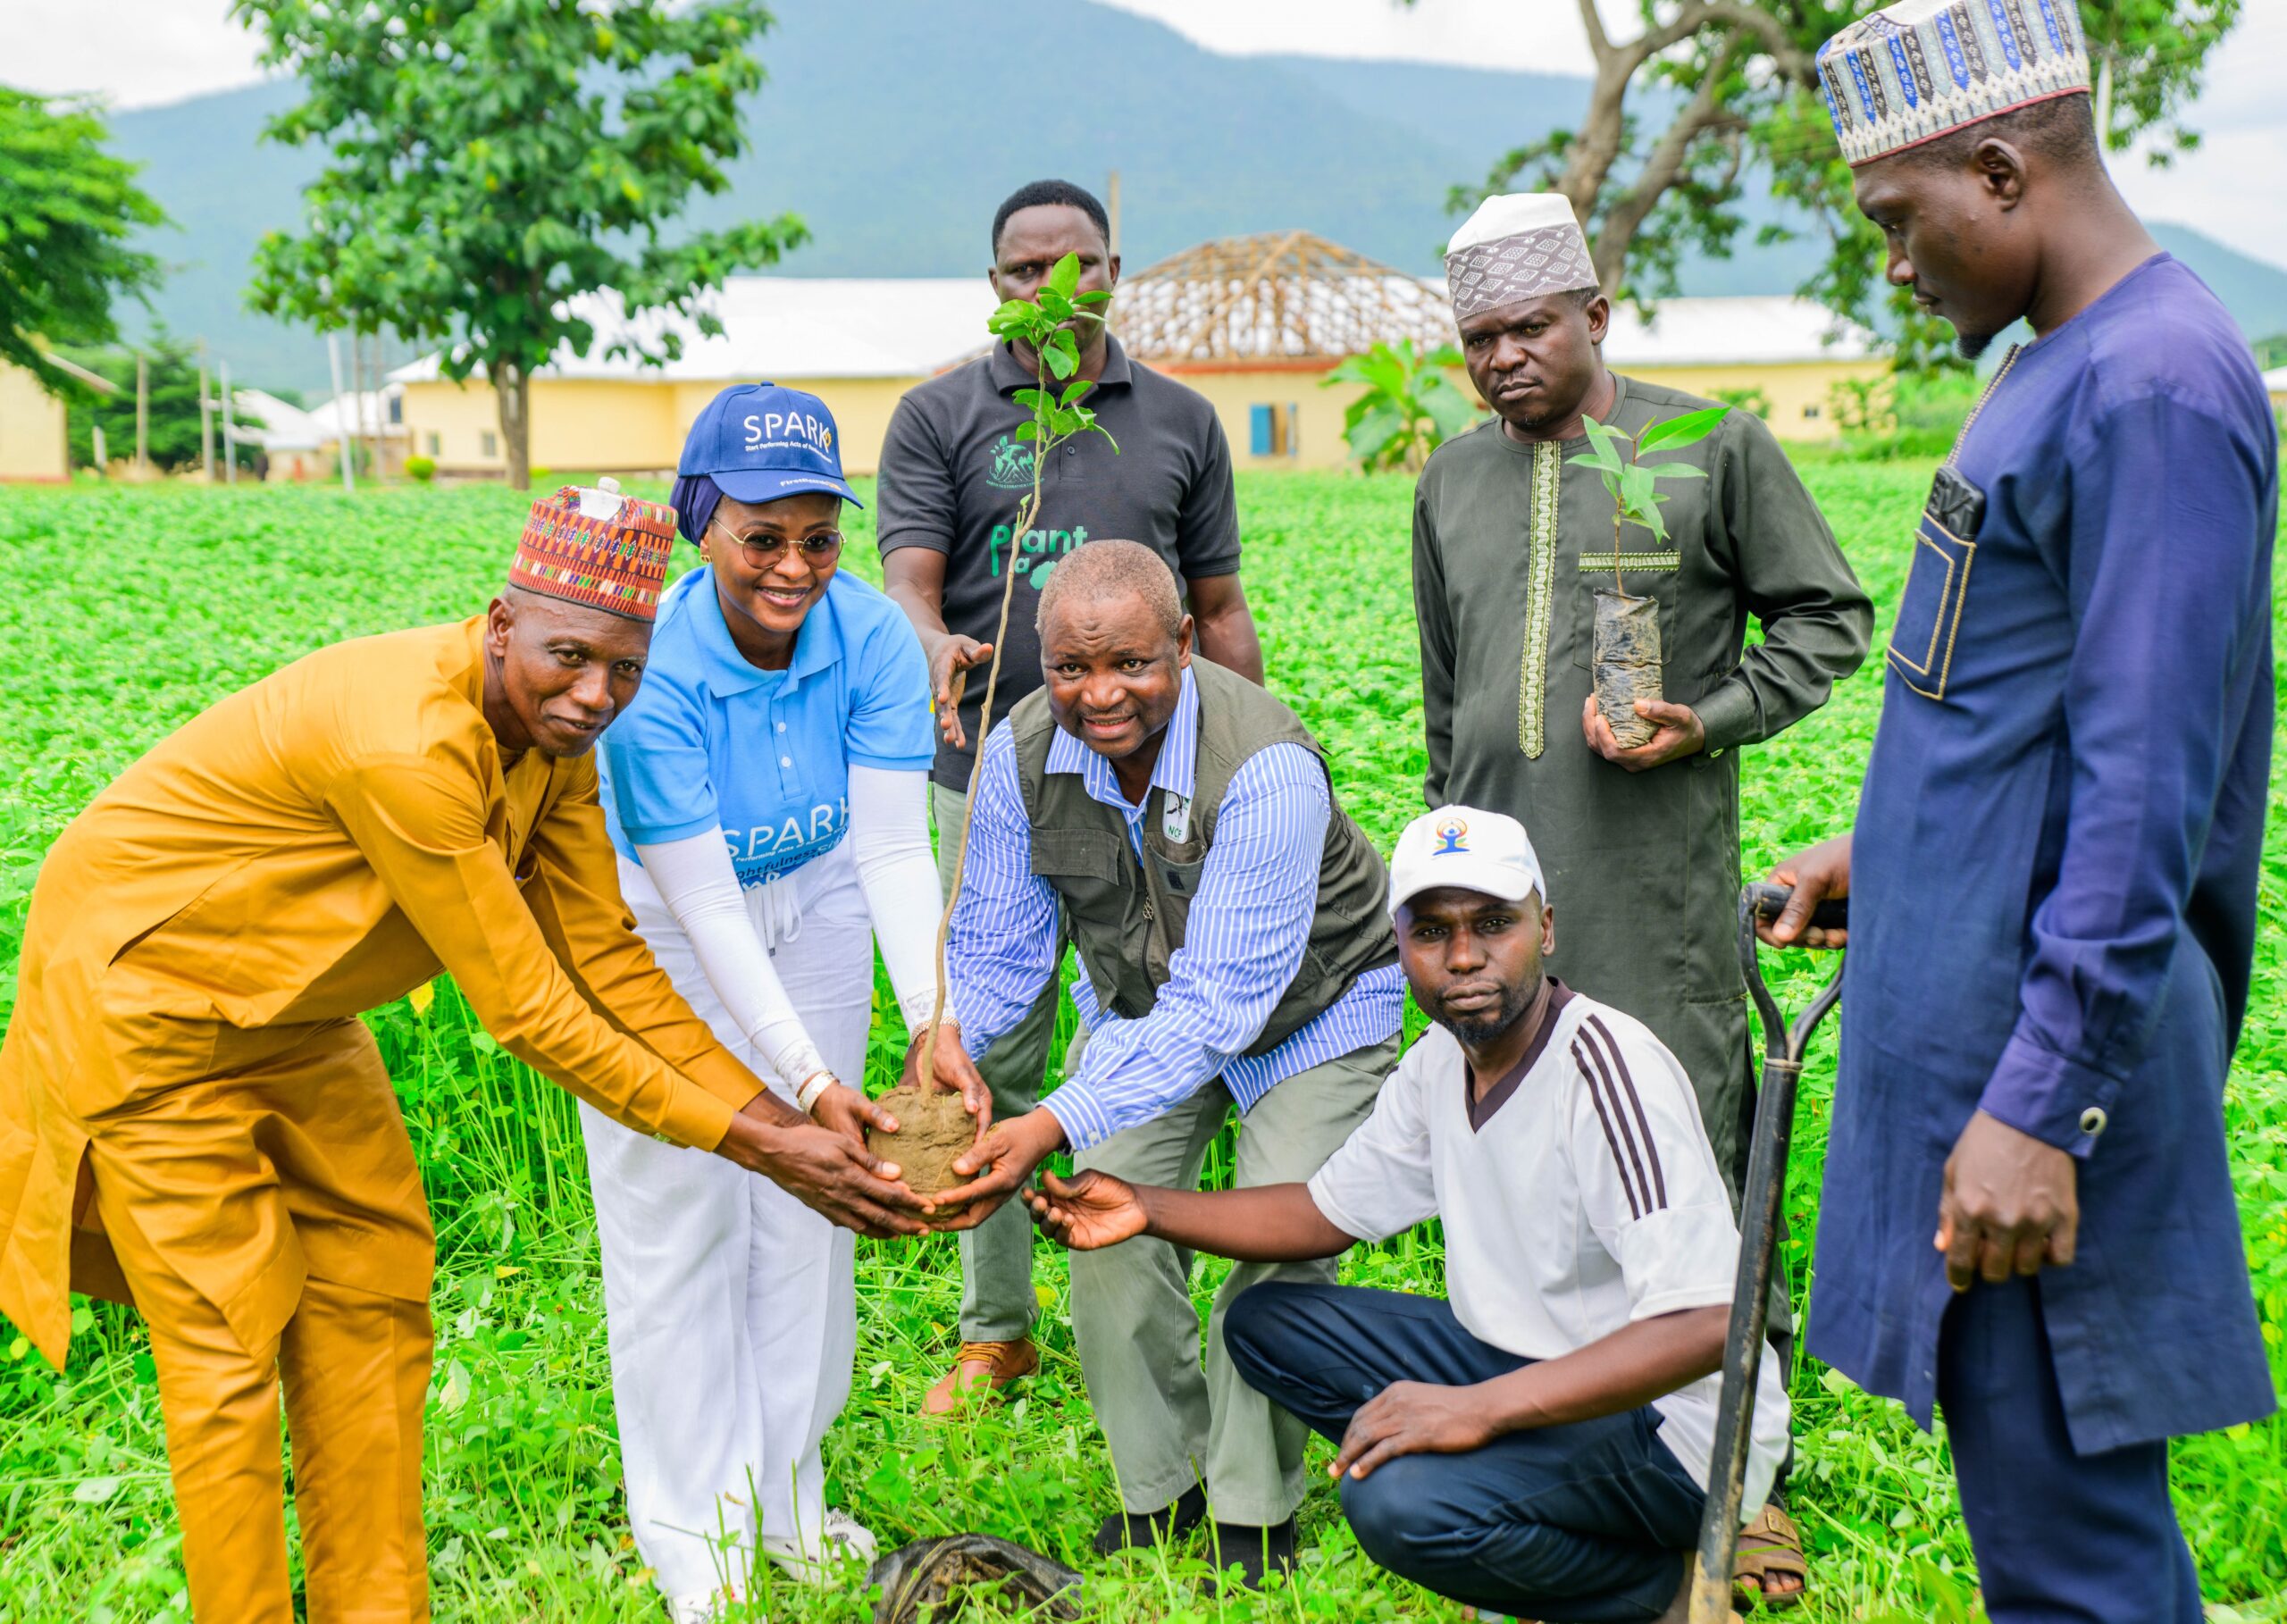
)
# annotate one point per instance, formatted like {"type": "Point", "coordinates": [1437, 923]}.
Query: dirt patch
{"type": "Point", "coordinates": [933, 1129]}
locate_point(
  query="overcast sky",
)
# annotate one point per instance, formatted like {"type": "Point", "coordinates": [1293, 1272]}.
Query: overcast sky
{"type": "Point", "coordinates": [139, 53]}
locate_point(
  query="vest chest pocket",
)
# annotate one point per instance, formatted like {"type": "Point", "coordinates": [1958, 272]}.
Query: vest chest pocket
{"type": "Point", "coordinates": [1087, 868]}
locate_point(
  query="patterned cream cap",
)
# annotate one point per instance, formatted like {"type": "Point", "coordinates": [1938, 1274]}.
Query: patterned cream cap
{"type": "Point", "coordinates": [1519, 245]}
{"type": "Point", "coordinates": [1920, 68]}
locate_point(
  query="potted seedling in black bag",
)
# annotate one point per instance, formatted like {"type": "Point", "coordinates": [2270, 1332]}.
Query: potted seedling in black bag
{"type": "Point", "coordinates": [1625, 654]}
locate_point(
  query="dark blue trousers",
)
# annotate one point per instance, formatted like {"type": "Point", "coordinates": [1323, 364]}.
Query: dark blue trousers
{"type": "Point", "coordinates": [2061, 1538]}
{"type": "Point", "coordinates": [1588, 1523]}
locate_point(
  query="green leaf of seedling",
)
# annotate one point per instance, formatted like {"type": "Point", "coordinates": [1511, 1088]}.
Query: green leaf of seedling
{"type": "Point", "coordinates": [1031, 399]}
{"type": "Point", "coordinates": [1635, 489]}
{"type": "Point", "coordinates": [1094, 296]}
{"type": "Point", "coordinates": [1074, 390]}
{"type": "Point", "coordinates": [1064, 280]}
{"type": "Point", "coordinates": [1105, 432]}
{"type": "Point", "coordinates": [1674, 470]}
{"type": "Point", "coordinates": [1600, 459]}
{"type": "Point", "coordinates": [1055, 304]}
{"type": "Point", "coordinates": [1025, 430]}
{"type": "Point", "coordinates": [1688, 429]}
{"type": "Point", "coordinates": [1060, 364]}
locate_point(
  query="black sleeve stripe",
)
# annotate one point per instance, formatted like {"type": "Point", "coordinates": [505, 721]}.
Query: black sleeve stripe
{"type": "Point", "coordinates": [1588, 1075]}
{"type": "Point", "coordinates": [1611, 1046]}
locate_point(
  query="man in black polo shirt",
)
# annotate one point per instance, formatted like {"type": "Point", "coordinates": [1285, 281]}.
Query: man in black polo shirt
{"type": "Point", "coordinates": [952, 474]}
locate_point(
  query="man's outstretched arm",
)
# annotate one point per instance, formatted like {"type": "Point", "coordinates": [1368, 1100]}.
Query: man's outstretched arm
{"type": "Point", "coordinates": [1269, 1224]}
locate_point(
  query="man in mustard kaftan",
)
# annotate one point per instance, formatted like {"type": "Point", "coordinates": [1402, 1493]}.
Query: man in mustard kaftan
{"type": "Point", "coordinates": [193, 1119]}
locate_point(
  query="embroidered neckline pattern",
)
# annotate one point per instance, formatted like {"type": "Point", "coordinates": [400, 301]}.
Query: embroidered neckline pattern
{"type": "Point", "coordinates": [1540, 580]}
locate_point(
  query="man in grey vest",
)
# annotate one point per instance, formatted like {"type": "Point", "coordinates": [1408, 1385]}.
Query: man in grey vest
{"type": "Point", "coordinates": [1236, 950]}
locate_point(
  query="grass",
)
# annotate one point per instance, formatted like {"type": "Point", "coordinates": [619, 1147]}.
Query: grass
{"type": "Point", "coordinates": [132, 610]}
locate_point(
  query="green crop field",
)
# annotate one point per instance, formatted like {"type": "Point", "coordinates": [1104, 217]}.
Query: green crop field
{"type": "Point", "coordinates": [132, 610]}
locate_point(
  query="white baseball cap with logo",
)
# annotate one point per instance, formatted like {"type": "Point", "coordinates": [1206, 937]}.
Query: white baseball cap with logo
{"type": "Point", "coordinates": [1461, 846]}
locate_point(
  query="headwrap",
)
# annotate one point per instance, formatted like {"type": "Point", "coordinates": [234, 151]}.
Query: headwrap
{"type": "Point", "coordinates": [695, 498]}
{"type": "Point", "coordinates": [1920, 69]}
{"type": "Point", "coordinates": [1521, 245]}
{"type": "Point", "coordinates": [595, 547]}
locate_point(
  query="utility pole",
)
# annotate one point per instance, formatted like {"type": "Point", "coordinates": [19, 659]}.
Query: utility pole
{"type": "Point", "coordinates": [340, 428]}
{"type": "Point", "coordinates": [206, 418]}
{"type": "Point", "coordinates": [142, 414]}
{"type": "Point", "coordinates": [229, 438]}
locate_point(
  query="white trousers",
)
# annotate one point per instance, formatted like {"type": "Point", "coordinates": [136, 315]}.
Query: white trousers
{"type": "Point", "coordinates": [731, 1307]}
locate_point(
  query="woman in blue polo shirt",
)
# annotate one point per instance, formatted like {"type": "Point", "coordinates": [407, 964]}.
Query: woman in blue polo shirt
{"type": "Point", "coordinates": [766, 790]}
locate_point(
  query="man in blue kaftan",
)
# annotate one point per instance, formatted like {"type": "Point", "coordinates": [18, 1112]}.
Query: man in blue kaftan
{"type": "Point", "coordinates": [2053, 875]}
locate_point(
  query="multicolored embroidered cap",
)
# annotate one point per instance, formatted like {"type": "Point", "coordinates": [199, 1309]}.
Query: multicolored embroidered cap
{"type": "Point", "coordinates": [596, 548]}
{"type": "Point", "coordinates": [1519, 245]}
{"type": "Point", "coordinates": [1920, 69]}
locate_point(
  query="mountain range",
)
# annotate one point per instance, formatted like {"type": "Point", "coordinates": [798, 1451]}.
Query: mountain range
{"type": "Point", "coordinates": [894, 127]}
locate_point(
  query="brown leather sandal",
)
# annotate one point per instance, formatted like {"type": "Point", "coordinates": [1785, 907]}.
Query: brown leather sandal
{"type": "Point", "coordinates": [1771, 1544]}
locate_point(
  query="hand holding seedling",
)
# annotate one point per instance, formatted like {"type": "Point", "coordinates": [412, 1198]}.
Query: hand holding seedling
{"type": "Point", "coordinates": [829, 1172]}
{"type": "Point", "coordinates": [2011, 1203]}
{"type": "Point", "coordinates": [998, 1165]}
{"type": "Point", "coordinates": [1677, 731]}
{"type": "Point", "coordinates": [1088, 1211]}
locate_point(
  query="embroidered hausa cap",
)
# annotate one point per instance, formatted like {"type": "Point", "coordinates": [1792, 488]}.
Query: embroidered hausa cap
{"type": "Point", "coordinates": [1920, 68]}
{"type": "Point", "coordinates": [1483, 852]}
{"type": "Point", "coordinates": [1519, 245]}
{"type": "Point", "coordinates": [760, 441]}
{"type": "Point", "coordinates": [597, 547]}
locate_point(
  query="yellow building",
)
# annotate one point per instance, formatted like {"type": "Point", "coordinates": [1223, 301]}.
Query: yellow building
{"type": "Point", "coordinates": [1254, 323]}
{"type": "Point", "coordinates": [34, 440]}
{"type": "Point", "coordinates": [858, 344]}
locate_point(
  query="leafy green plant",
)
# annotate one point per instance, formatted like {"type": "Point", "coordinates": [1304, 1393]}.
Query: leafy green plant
{"type": "Point", "coordinates": [1634, 484]}
{"type": "Point", "coordinates": [1046, 327]}
{"type": "Point", "coordinates": [421, 469]}
{"type": "Point", "coordinates": [1745, 398]}
{"type": "Point", "coordinates": [1409, 406]}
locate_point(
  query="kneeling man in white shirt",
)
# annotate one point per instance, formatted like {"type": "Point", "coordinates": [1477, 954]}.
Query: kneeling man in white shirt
{"type": "Point", "coordinates": [1538, 1444]}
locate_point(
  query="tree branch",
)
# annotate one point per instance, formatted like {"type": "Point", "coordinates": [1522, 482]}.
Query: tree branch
{"type": "Point", "coordinates": [1792, 61]}
{"type": "Point", "coordinates": [1599, 42]}
{"type": "Point", "coordinates": [1661, 165]}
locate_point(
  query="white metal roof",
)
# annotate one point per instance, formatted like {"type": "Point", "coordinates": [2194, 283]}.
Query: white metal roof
{"type": "Point", "coordinates": [2274, 381]}
{"type": "Point", "coordinates": [367, 410]}
{"type": "Point", "coordinates": [795, 327]}
{"type": "Point", "coordinates": [1756, 329]}
{"type": "Point", "coordinates": [787, 327]}
{"type": "Point", "coordinates": [275, 424]}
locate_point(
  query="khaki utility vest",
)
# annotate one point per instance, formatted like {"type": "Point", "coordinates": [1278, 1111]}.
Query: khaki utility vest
{"type": "Point", "coordinates": [1128, 916]}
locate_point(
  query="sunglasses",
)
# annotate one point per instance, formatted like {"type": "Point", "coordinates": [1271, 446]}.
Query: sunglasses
{"type": "Point", "coordinates": [762, 551]}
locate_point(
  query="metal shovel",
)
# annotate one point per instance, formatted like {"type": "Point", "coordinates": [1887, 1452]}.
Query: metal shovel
{"type": "Point", "coordinates": [1743, 1346]}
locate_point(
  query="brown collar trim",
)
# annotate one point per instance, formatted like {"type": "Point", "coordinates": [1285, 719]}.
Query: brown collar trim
{"type": "Point", "coordinates": [1480, 1109]}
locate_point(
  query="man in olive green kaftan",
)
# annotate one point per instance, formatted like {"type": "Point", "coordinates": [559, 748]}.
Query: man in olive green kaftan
{"type": "Point", "coordinates": [1510, 538]}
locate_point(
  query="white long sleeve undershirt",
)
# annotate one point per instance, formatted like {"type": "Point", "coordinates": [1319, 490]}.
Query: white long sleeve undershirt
{"type": "Point", "coordinates": [889, 836]}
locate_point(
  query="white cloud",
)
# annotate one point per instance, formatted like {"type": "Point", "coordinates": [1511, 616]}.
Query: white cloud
{"type": "Point", "coordinates": [132, 52]}
{"type": "Point", "coordinates": [1542, 35]}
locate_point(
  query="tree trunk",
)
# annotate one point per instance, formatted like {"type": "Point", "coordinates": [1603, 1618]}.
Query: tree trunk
{"type": "Point", "coordinates": [512, 387]}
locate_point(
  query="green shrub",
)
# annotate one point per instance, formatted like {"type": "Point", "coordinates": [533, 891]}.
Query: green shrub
{"type": "Point", "coordinates": [422, 468]}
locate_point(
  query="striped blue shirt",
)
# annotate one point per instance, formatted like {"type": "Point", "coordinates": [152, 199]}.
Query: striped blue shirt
{"type": "Point", "coordinates": [1243, 938]}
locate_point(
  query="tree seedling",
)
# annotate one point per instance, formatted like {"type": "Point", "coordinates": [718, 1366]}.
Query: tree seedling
{"type": "Point", "coordinates": [1627, 655]}
{"type": "Point", "coordinates": [1048, 328]}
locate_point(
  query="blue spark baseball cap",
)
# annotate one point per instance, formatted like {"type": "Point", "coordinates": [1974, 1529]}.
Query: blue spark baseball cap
{"type": "Point", "coordinates": [758, 442]}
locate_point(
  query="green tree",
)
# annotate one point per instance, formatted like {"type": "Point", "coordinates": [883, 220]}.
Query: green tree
{"type": "Point", "coordinates": [491, 159]}
{"type": "Point", "coordinates": [1708, 90]}
{"type": "Point", "coordinates": [1409, 406]}
{"type": "Point", "coordinates": [173, 373]}
{"type": "Point", "coordinates": [68, 211]}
